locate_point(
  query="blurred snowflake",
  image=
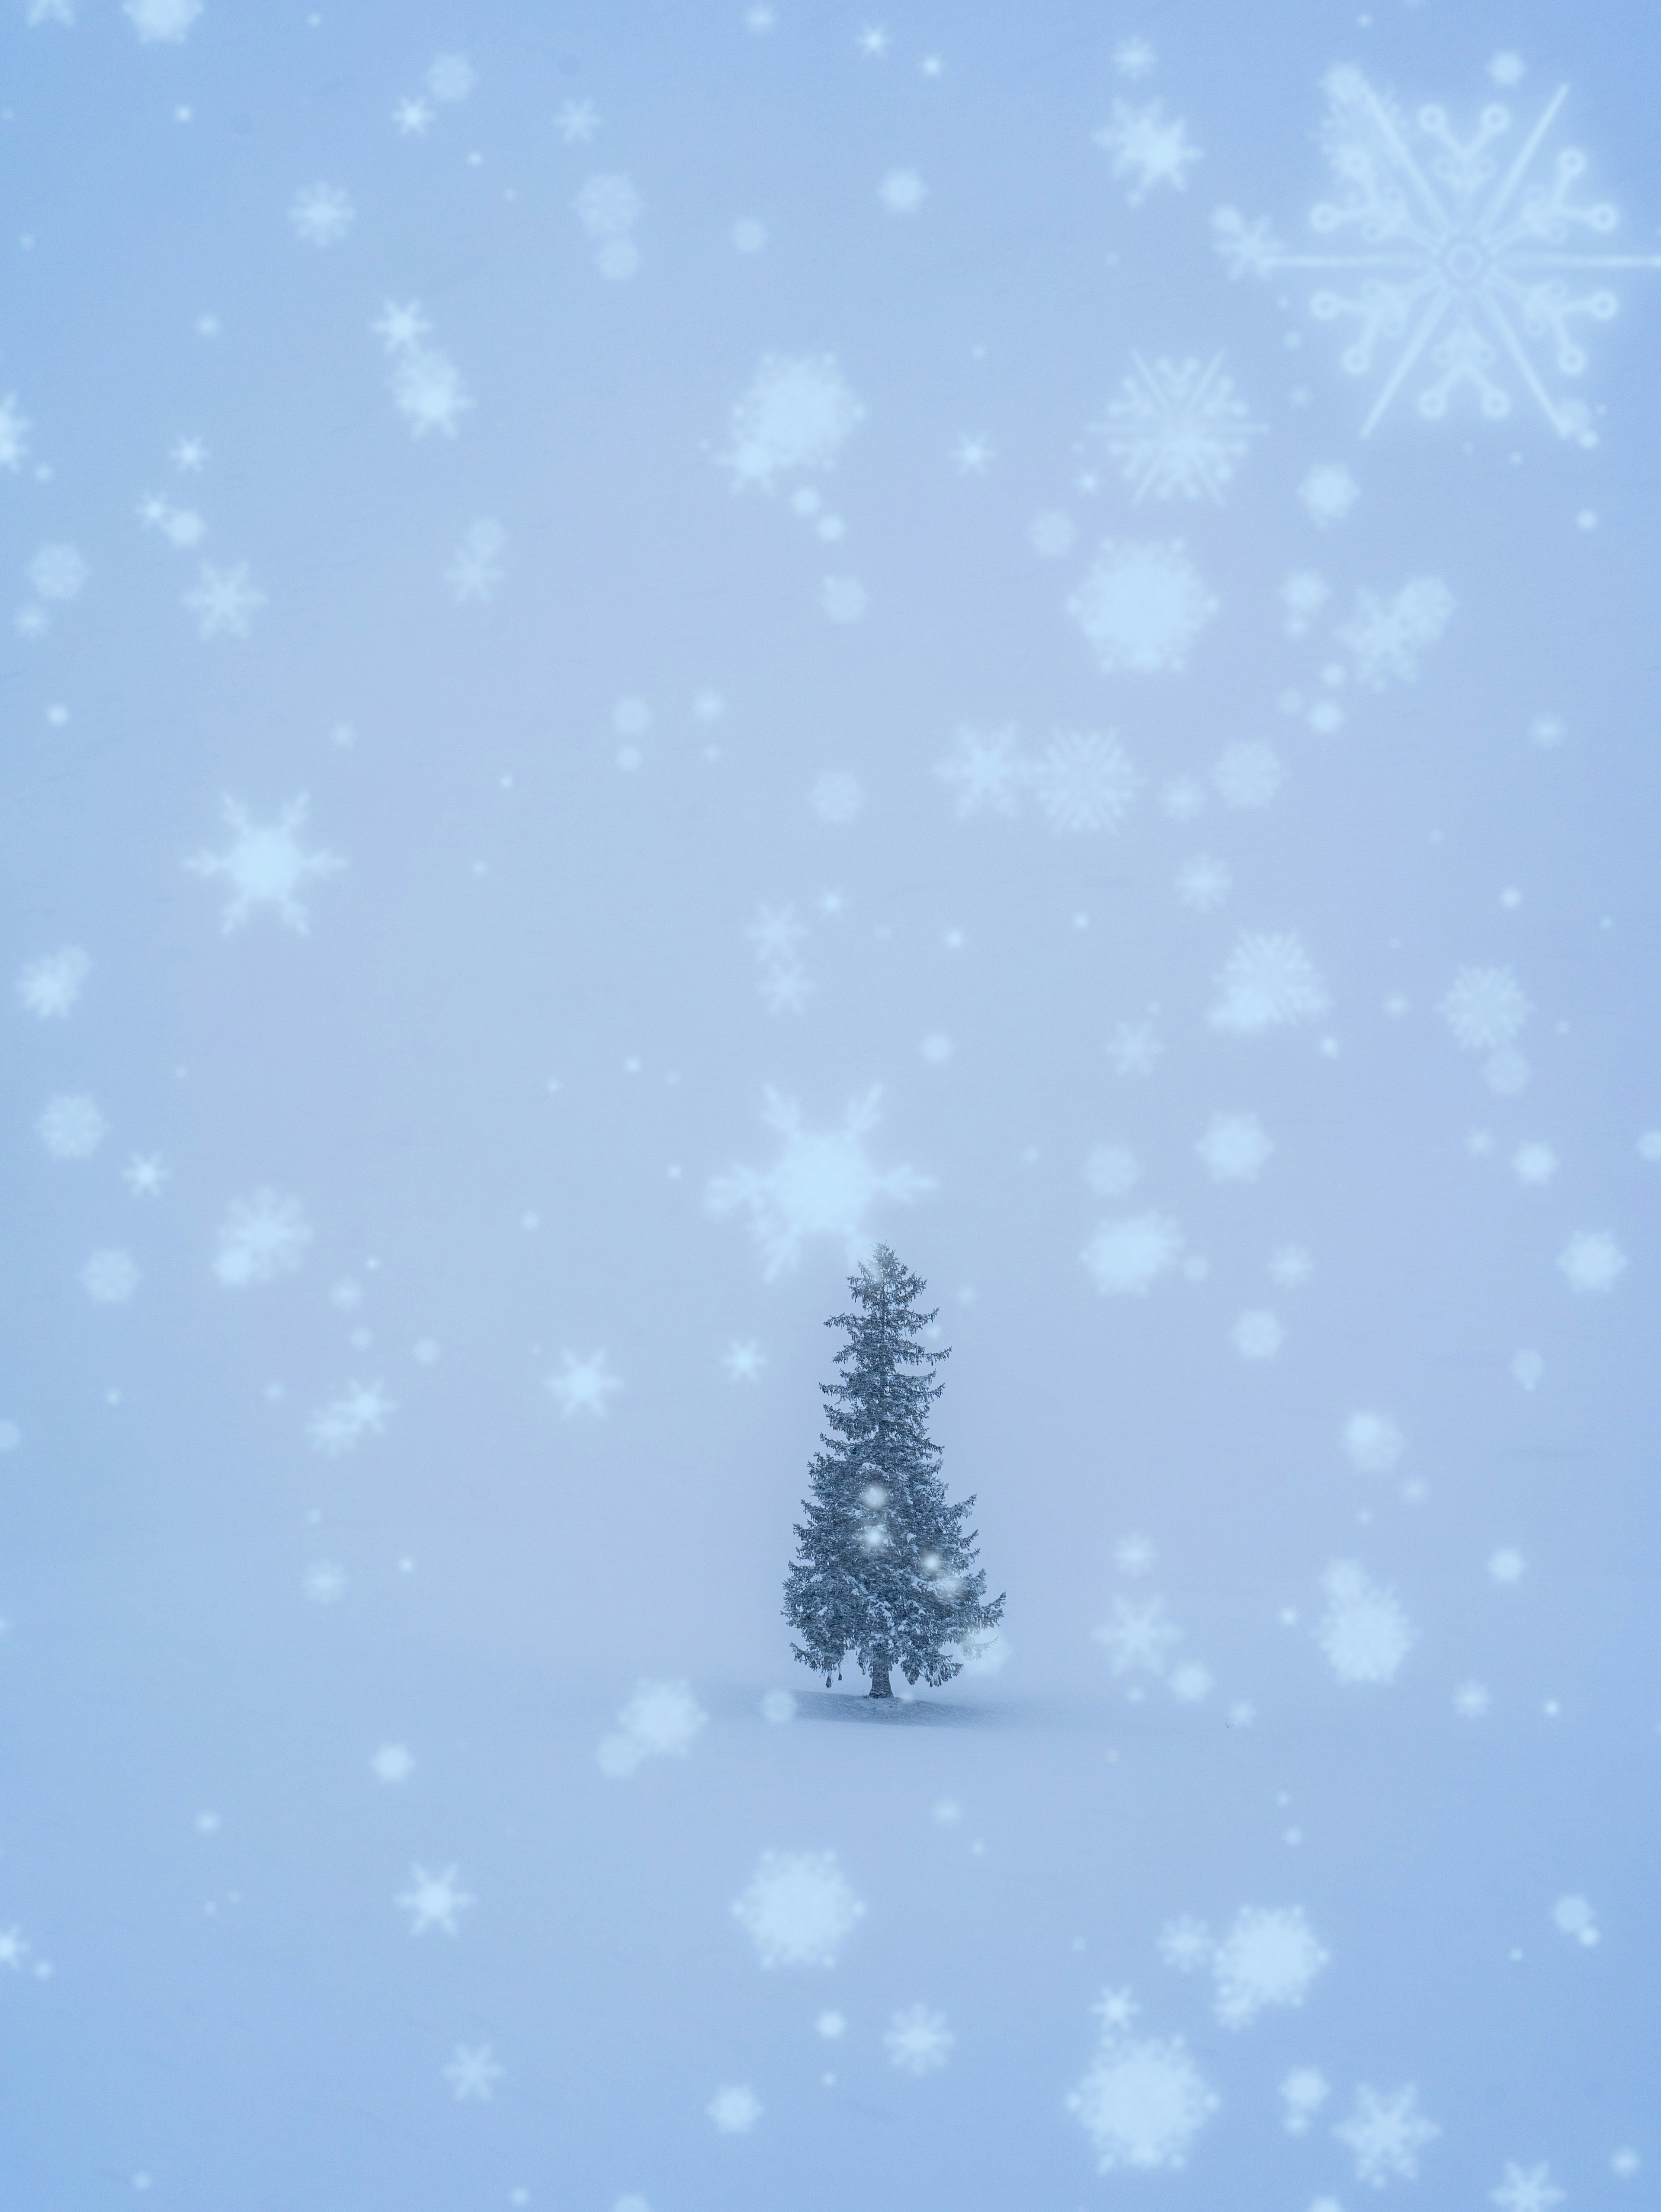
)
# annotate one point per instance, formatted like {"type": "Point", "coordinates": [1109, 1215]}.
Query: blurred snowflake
{"type": "Point", "coordinates": [321, 214]}
{"type": "Point", "coordinates": [1257, 1335]}
{"type": "Point", "coordinates": [918, 2040]}
{"type": "Point", "coordinates": [1592, 1261]}
{"type": "Point", "coordinates": [1084, 781]}
{"type": "Point", "coordinates": [110, 1277]}
{"type": "Point", "coordinates": [734, 2109]}
{"type": "Point", "coordinates": [168, 19]}
{"type": "Point", "coordinates": [266, 866]}
{"type": "Point", "coordinates": [1373, 1443]}
{"type": "Point", "coordinates": [1574, 1917]}
{"type": "Point", "coordinates": [1303, 2093]}
{"type": "Point", "coordinates": [434, 1900]}
{"type": "Point", "coordinates": [1148, 147]}
{"type": "Point", "coordinates": [1111, 1170]}
{"type": "Point", "coordinates": [262, 1236]}
{"type": "Point", "coordinates": [1328, 493]}
{"type": "Point", "coordinates": [475, 569]}
{"type": "Point", "coordinates": [1466, 272]}
{"type": "Point", "coordinates": [1363, 1630]}
{"type": "Point", "coordinates": [451, 77]}
{"type": "Point", "coordinates": [1386, 2133]}
{"type": "Point", "coordinates": [799, 1909]}
{"type": "Point", "coordinates": [473, 2072]}
{"type": "Point", "coordinates": [50, 986]}
{"type": "Point", "coordinates": [1129, 1256]}
{"type": "Point", "coordinates": [1248, 774]}
{"type": "Point", "coordinates": [1140, 1636]}
{"type": "Point", "coordinates": [796, 414]}
{"type": "Point", "coordinates": [984, 771]}
{"type": "Point", "coordinates": [823, 1184]}
{"type": "Point", "coordinates": [1236, 1148]}
{"type": "Point", "coordinates": [661, 1720]}
{"type": "Point", "coordinates": [1526, 2189]}
{"type": "Point", "coordinates": [341, 1425]}
{"type": "Point", "coordinates": [224, 601]}
{"type": "Point", "coordinates": [1204, 883]}
{"type": "Point", "coordinates": [583, 1385]}
{"type": "Point", "coordinates": [1140, 607]}
{"type": "Point", "coordinates": [1388, 634]}
{"type": "Point", "coordinates": [1268, 982]}
{"type": "Point", "coordinates": [1485, 1008]}
{"type": "Point", "coordinates": [1143, 2102]}
{"type": "Point", "coordinates": [1178, 428]}
{"type": "Point", "coordinates": [902, 191]}
{"type": "Point", "coordinates": [14, 429]}
{"type": "Point", "coordinates": [427, 391]}
{"type": "Point", "coordinates": [1269, 1957]}
{"type": "Point", "coordinates": [70, 1126]}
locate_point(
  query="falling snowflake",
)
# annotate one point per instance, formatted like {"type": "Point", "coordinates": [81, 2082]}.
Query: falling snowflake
{"type": "Point", "coordinates": [1466, 269]}
{"type": "Point", "coordinates": [341, 1425]}
{"type": "Point", "coordinates": [1134, 1048]}
{"type": "Point", "coordinates": [823, 1184]}
{"type": "Point", "coordinates": [1140, 607]}
{"type": "Point", "coordinates": [984, 771]}
{"type": "Point", "coordinates": [1303, 2093]}
{"type": "Point", "coordinates": [1328, 493]}
{"type": "Point", "coordinates": [1592, 1261]}
{"type": "Point", "coordinates": [392, 1763]}
{"type": "Point", "coordinates": [434, 1900]}
{"type": "Point", "coordinates": [734, 2109]}
{"type": "Point", "coordinates": [50, 986]}
{"type": "Point", "coordinates": [262, 1236]}
{"type": "Point", "coordinates": [266, 866]}
{"type": "Point", "coordinates": [1143, 2102]}
{"type": "Point", "coordinates": [1268, 982]}
{"type": "Point", "coordinates": [1236, 1148]}
{"type": "Point", "coordinates": [57, 573]}
{"type": "Point", "coordinates": [744, 1361]}
{"type": "Point", "coordinates": [1269, 1957]}
{"type": "Point", "coordinates": [14, 429]}
{"type": "Point", "coordinates": [798, 1910]}
{"type": "Point", "coordinates": [662, 1720]}
{"type": "Point", "coordinates": [918, 2040]}
{"type": "Point", "coordinates": [321, 214]}
{"type": "Point", "coordinates": [475, 568]}
{"type": "Point", "coordinates": [168, 20]}
{"type": "Point", "coordinates": [1084, 781]}
{"type": "Point", "coordinates": [796, 416]}
{"type": "Point", "coordinates": [427, 391]}
{"type": "Point", "coordinates": [1204, 882]}
{"type": "Point", "coordinates": [1129, 1256]}
{"type": "Point", "coordinates": [1573, 1915]}
{"type": "Point", "coordinates": [583, 1385]}
{"type": "Point", "coordinates": [224, 601]}
{"type": "Point", "coordinates": [1111, 1170]}
{"type": "Point", "coordinates": [70, 1126]}
{"type": "Point", "coordinates": [325, 1583]}
{"type": "Point", "coordinates": [1526, 2189]}
{"type": "Point", "coordinates": [1185, 1943]}
{"type": "Point", "coordinates": [1386, 2133]}
{"type": "Point", "coordinates": [1178, 428]}
{"type": "Point", "coordinates": [609, 207]}
{"type": "Point", "coordinates": [451, 77]}
{"type": "Point", "coordinates": [1248, 774]}
{"type": "Point", "coordinates": [110, 1277]}
{"type": "Point", "coordinates": [1363, 1630]}
{"type": "Point", "coordinates": [1373, 1443]}
{"type": "Point", "coordinates": [837, 799]}
{"type": "Point", "coordinates": [1257, 1335]}
{"type": "Point", "coordinates": [1139, 1638]}
{"type": "Point", "coordinates": [1148, 147]}
{"type": "Point", "coordinates": [1388, 634]}
{"type": "Point", "coordinates": [577, 122]}
{"type": "Point", "coordinates": [902, 191]}
{"type": "Point", "coordinates": [1485, 1008]}
{"type": "Point", "coordinates": [473, 2072]}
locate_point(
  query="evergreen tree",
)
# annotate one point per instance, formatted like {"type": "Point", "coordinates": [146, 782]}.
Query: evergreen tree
{"type": "Point", "coordinates": [884, 1568]}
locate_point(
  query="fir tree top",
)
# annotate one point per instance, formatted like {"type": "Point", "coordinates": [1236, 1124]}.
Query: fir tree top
{"type": "Point", "coordinates": [884, 1566]}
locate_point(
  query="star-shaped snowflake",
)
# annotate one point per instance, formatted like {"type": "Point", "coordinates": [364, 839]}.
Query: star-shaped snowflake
{"type": "Point", "coordinates": [433, 1900]}
{"type": "Point", "coordinates": [224, 602]}
{"type": "Point", "coordinates": [266, 866]}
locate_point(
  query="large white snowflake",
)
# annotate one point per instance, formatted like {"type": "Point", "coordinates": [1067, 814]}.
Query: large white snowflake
{"type": "Point", "coordinates": [1386, 2133]}
{"type": "Point", "coordinates": [1178, 428]}
{"type": "Point", "coordinates": [1463, 262]}
{"type": "Point", "coordinates": [799, 1909]}
{"type": "Point", "coordinates": [796, 414]}
{"type": "Point", "coordinates": [1143, 2102]}
{"type": "Point", "coordinates": [1269, 1957]}
{"type": "Point", "coordinates": [266, 866]}
{"type": "Point", "coordinates": [1363, 1630]}
{"type": "Point", "coordinates": [822, 1184]}
{"type": "Point", "coordinates": [1141, 606]}
{"type": "Point", "coordinates": [1267, 982]}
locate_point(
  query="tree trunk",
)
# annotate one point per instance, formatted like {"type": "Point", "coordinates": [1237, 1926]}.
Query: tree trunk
{"type": "Point", "coordinates": [879, 1676]}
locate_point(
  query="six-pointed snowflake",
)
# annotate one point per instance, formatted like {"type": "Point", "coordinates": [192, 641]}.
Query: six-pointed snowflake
{"type": "Point", "coordinates": [266, 866]}
{"type": "Point", "coordinates": [1178, 428]}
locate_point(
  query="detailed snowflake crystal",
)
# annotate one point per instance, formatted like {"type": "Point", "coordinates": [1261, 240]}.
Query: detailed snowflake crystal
{"type": "Point", "coordinates": [110, 1277]}
{"type": "Point", "coordinates": [823, 1184]}
{"type": "Point", "coordinates": [1148, 147]}
{"type": "Point", "coordinates": [1269, 1957]}
{"type": "Point", "coordinates": [984, 771]}
{"type": "Point", "coordinates": [262, 1236]}
{"type": "Point", "coordinates": [1373, 1443]}
{"type": "Point", "coordinates": [796, 416]}
{"type": "Point", "coordinates": [584, 1385]}
{"type": "Point", "coordinates": [799, 1909]}
{"type": "Point", "coordinates": [1386, 2133]}
{"type": "Point", "coordinates": [918, 2040]}
{"type": "Point", "coordinates": [661, 1720]}
{"type": "Point", "coordinates": [1485, 1008]}
{"type": "Point", "coordinates": [1526, 2189]}
{"type": "Point", "coordinates": [321, 214]}
{"type": "Point", "coordinates": [1085, 782]}
{"type": "Point", "coordinates": [1592, 1261]}
{"type": "Point", "coordinates": [434, 1900]}
{"type": "Point", "coordinates": [1143, 2103]}
{"type": "Point", "coordinates": [70, 1126]}
{"type": "Point", "coordinates": [1139, 1636]}
{"type": "Point", "coordinates": [1178, 428]}
{"type": "Point", "coordinates": [224, 601]}
{"type": "Point", "coordinates": [1388, 634]}
{"type": "Point", "coordinates": [427, 391]}
{"type": "Point", "coordinates": [50, 986]}
{"type": "Point", "coordinates": [266, 866]}
{"type": "Point", "coordinates": [1236, 1148]}
{"type": "Point", "coordinates": [1464, 268]}
{"type": "Point", "coordinates": [734, 2109]}
{"type": "Point", "coordinates": [473, 2072]}
{"type": "Point", "coordinates": [1248, 774]}
{"type": "Point", "coordinates": [1141, 607]}
{"type": "Point", "coordinates": [475, 569]}
{"type": "Point", "coordinates": [168, 19]}
{"type": "Point", "coordinates": [1363, 1630]}
{"type": "Point", "coordinates": [14, 429]}
{"type": "Point", "coordinates": [1129, 1256]}
{"type": "Point", "coordinates": [1268, 982]}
